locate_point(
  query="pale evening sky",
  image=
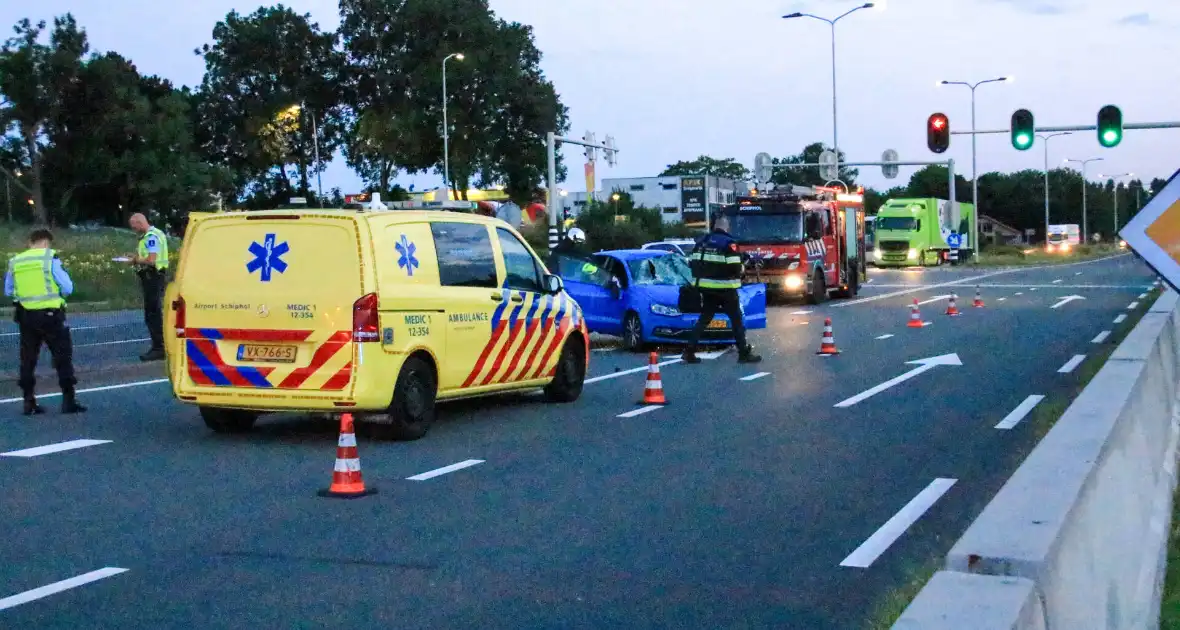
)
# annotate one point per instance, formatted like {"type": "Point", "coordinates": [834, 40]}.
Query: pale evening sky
{"type": "Point", "coordinates": [673, 79]}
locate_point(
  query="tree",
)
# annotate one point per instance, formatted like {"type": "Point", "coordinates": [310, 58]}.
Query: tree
{"type": "Point", "coordinates": [704, 165]}
{"type": "Point", "coordinates": [271, 92]}
{"type": "Point", "coordinates": [33, 78]}
{"type": "Point", "coordinates": [934, 181]}
{"type": "Point", "coordinates": [809, 175]}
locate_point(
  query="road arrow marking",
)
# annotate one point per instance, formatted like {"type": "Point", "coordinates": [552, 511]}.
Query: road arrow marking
{"type": "Point", "coordinates": [923, 366]}
{"type": "Point", "coordinates": [1066, 300]}
{"type": "Point", "coordinates": [936, 299]}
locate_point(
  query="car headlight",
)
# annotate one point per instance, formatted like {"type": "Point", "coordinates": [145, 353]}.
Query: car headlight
{"type": "Point", "coordinates": [912, 254]}
{"type": "Point", "coordinates": [668, 311]}
{"type": "Point", "coordinates": [876, 253]}
{"type": "Point", "coordinates": [793, 281]}
{"type": "Point", "coordinates": [1122, 244]}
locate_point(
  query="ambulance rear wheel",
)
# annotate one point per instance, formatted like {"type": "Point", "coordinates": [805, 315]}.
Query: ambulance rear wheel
{"type": "Point", "coordinates": [567, 382]}
{"type": "Point", "coordinates": [228, 420]}
{"type": "Point", "coordinates": [413, 408]}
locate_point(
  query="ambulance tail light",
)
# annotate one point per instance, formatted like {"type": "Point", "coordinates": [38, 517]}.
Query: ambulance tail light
{"type": "Point", "coordinates": [179, 317]}
{"type": "Point", "coordinates": [365, 324]}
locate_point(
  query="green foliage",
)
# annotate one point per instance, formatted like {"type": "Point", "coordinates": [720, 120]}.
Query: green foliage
{"type": "Point", "coordinates": [809, 175]}
{"type": "Point", "coordinates": [704, 165]}
{"type": "Point", "coordinates": [620, 224]}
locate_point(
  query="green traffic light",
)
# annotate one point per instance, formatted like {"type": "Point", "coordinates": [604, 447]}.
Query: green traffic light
{"type": "Point", "coordinates": [1022, 140]}
{"type": "Point", "coordinates": [1110, 137]}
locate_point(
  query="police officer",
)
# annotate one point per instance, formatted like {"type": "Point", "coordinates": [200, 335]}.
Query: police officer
{"type": "Point", "coordinates": [39, 284]}
{"type": "Point", "coordinates": [717, 269]}
{"type": "Point", "coordinates": [151, 263]}
{"type": "Point", "coordinates": [572, 245]}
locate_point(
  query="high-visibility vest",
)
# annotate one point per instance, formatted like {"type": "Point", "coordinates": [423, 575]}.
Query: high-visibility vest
{"type": "Point", "coordinates": [162, 239]}
{"type": "Point", "coordinates": [32, 280]}
{"type": "Point", "coordinates": [716, 262]}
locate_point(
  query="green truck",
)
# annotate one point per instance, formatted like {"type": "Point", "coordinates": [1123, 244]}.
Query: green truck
{"type": "Point", "coordinates": [912, 232]}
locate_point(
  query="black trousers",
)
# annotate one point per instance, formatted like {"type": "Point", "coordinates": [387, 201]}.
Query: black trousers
{"type": "Point", "coordinates": [45, 327]}
{"type": "Point", "coordinates": [723, 301]}
{"type": "Point", "coordinates": [152, 283]}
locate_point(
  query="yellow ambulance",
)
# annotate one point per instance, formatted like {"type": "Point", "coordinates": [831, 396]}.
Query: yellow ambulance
{"type": "Point", "coordinates": [376, 312]}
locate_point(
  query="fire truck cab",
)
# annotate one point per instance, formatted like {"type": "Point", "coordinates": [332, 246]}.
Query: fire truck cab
{"type": "Point", "coordinates": [801, 241]}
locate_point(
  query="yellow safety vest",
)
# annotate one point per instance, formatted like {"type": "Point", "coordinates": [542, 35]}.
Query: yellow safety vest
{"type": "Point", "coordinates": [162, 257]}
{"type": "Point", "coordinates": [32, 280]}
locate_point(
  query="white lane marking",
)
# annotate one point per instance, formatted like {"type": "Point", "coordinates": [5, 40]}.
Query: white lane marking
{"type": "Point", "coordinates": [1032, 288]}
{"type": "Point", "coordinates": [924, 365]}
{"type": "Point", "coordinates": [1071, 364]}
{"type": "Point", "coordinates": [1077, 273]}
{"type": "Point", "coordinates": [111, 343]}
{"type": "Point", "coordinates": [1142, 296]}
{"type": "Point", "coordinates": [1120, 319]}
{"type": "Point", "coordinates": [431, 474]}
{"type": "Point", "coordinates": [51, 589]}
{"type": "Point", "coordinates": [885, 336]}
{"type": "Point", "coordinates": [104, 388]}
{"type": "Point", "coordinates": [1066, 300]}
{"type": "Point", "coordinates": [754, 377]}
{"type": "Point", "coordinates": [1020, 412]}
{"type": "Point", "coordinates": [1132, 306]}
{"type": "Point", "coordinates": [605, 377]}
{"type": "Point", "coordinates": [1057, 281]}
{"type": "Point", "coordinates": [54, 448]}
{"type": "Point", "coordinates": [936, 298]}
{"type": "Point", "coordinates": [802, 312]}
{"type": "Point", "coordinates": [603, 349]}
{"type": "Point", "coordinates": [1020, 293]}
{"type": "Point", "coordinates": [1042, 286]}
{"type": "Point", "coordinates": [639, 412]}
{"type": "Point", "coordinates": [925, 324]}
{"type": "Point", "coordinates": [713, 355]}
{"type": "Point", "coordinates": [1101, 337]}
{"type": "Point", "coordinates": [73, 329]}
{"type": "Point", "coordinates": [1001, 299]}
{"type": "Point", "coordinates": [883, 538]}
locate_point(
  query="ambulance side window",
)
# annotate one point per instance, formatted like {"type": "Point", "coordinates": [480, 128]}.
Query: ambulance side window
{"type": "Point", "coordinates": [465, 257]}
{"type": "Point", "coordinates": [520, 267]}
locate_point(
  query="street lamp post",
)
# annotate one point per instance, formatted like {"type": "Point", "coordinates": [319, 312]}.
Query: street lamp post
{"type": "Point", "coordinates": [1115, 194]}
{"type": "Point", "coordinates": [1046, 139]}
{"type": "Point", "coordinates": [974, 174]}
{"type": "Point", "coordinates": [315, 139]}
{"type": "Point", "coordinates": [1085, 225]}
{"type": "Point", "coordinates": [446, 130]}
{"type": "Point", "coordinates": [832, 23]}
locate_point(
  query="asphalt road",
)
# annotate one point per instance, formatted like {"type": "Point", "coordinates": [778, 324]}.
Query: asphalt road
{"type": "Point", "coordinates": [751, 500]}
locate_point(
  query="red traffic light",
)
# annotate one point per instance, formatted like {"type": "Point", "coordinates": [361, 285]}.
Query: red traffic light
{"type": "Point", "coordinates": [938, 123]}
{"type": "Point", "coordinates": [938, 133]}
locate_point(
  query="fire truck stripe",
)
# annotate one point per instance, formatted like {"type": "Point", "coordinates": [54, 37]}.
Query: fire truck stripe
{"type": "Point", "coordinates": [530, 328]}
{"type": "Point", "coordinates": [514, 327]}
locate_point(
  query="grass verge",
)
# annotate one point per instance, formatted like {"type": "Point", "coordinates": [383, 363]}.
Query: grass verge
{"type": "Point", "coordinates": [1011, 256]}
{"type": "Point", "coordinates": [891, 605]}
{"type": "Point", "coordinates": [99, 282]}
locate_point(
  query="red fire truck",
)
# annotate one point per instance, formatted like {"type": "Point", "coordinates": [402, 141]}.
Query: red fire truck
{"type": "Point", "coordinates": [802, 241]}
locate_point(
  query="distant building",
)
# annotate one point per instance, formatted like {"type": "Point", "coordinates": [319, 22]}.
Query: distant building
{"type": "Point", "coordinates": [691, 199]}
{"type": "Point", "coordinates": [997, 232]}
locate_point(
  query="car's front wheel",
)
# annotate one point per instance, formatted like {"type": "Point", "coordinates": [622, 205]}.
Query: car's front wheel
{"type": "Point", "coordinates": [632, 332]}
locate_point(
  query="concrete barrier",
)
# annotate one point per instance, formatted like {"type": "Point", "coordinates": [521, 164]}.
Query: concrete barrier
{"type": "Point", "coordinates": [1082, 525]}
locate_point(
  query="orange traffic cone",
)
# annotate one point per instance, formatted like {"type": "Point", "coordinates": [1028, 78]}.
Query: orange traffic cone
{"type": "Point", "coordinates": [653, 391]}
{"type": "Point", "coordinates": [346, 477]}
{"type": "Point", "coordinates": [951, 309]}
{"type": "Point", "coordinates": [978, 303]}
{"type": "Point", "coordinates": [915, 317]}
{"type": "Point", "coordinates": [827, 344]}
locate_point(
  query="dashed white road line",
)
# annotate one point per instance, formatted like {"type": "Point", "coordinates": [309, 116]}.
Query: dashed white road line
{"type": "Point", "coordinates": [883, 538]}
{"type": "Point", "coordinates": [1019, 413]}
{"type": "Point", "coordinates": [1120, 319]}
{"type": "Point", "coordinates": [1001, 299]}
{"type": "Point", "coordinates": [802, 312]}
{"type": "Point", "coordinates": [935, 299]}
{"type": "Point", "coordinates": [606, 377]}
{"type": "Point", "coordinates": [104, 388]}
{"type": "Point", "coordinates": [1133, 305]}
{"type": "Point", "coordinates": [884, 336]}
{"type": "Point", "coordinates": [1101, 337]}
{"type": "Point", "coordinates": [54, 448]}
{"type": "Point", "coordinates": [754, 377]}
{"type": "Point", "coordinates": [638, 412]}
{"type": "Point", "coordinates": [1072, 364]}
{"type": "Point", "coordinates": [1020, 293]}
{"type": "Point", "coordinates": [1057, 281]}
{"type": "Point", "coordinates": [51, 589]}
{"type": "Point", "coordinates": [1077, 273]}
{"type": "Point", "coordinates": [1142, 296]}
{"type": "Point", "coordinates": [73, 329]}
{"type": "Point", "coordinates": [1032, 289]}
{"type": "Point", "coordinates": [431, 474]}
{"type": "Point", "coordinates": [111, 343]}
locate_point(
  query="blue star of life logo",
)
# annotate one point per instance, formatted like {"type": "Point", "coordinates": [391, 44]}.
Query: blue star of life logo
{"type": "Point", "coordinates": [268, 257]}
{"type": "Point", "coordinates": [406, 259]}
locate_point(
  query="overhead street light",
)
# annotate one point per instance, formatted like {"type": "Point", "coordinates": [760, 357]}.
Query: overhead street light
{"type": "Point", "coordinates": [1046, 139]}
{"type": "Point", "coordinates": [1085, 230]}
{"type": "Point", "coordinates": [446, 130]}
{"type": "Point", "coordinates": [1115, 193]}
{"type": "Point", "coordinates": [832, 23]}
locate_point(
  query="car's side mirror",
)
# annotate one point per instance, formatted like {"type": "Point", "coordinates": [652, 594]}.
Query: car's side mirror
{"type": "Point", "coordinates": [553, 284]}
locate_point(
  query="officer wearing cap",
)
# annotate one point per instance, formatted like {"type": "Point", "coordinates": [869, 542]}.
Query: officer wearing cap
{"type": "Point", "coordinates": [717, 267]}
{"type": "Point", "coordinates": [39, 284]}
{"type": "Point", "coordinates": [151, 263]}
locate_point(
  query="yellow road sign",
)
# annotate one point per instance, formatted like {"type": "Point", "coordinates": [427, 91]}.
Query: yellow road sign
{"type": "Point", "coordinates": [1154, 233]}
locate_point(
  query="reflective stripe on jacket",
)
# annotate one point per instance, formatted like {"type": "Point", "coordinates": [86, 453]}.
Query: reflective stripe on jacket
{"type": "Point", "coordinates": [33, 284]}
{"type": "Point", "coordinates": [716, 263]}
{"type": "Point", "coordinates": [162, 239]}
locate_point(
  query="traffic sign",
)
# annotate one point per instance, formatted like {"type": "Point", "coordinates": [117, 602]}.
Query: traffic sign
{"type": "Point", "coordinates": [762, 170]}
{"type": "Point", "coordinates": [955, 240]}
{"type": "Point", "coordinates": [1154, 233]}
{"type": "Point", "coordinates": [889, 170]}
{"type": "Point", "coordinates": [829, 170]}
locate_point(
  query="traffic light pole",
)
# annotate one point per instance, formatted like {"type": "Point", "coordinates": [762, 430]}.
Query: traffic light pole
{"type": "Point", "coordinates": [950, 167]}
{"type": "Point", "coordinates": [551, 140]}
